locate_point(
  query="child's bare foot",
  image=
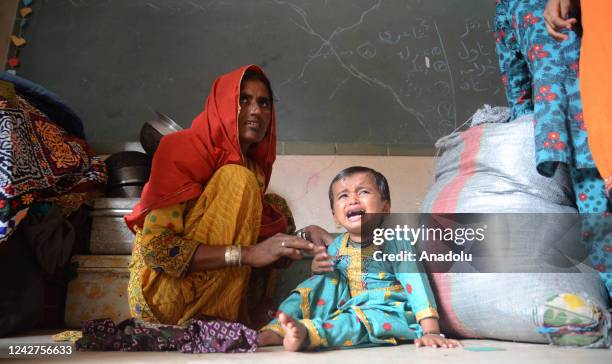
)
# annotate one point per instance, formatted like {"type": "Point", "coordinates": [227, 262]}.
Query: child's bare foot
{"type": "Point", "coordinates": [268, 338]}
{"type": "Point", "coordinates": [295, 333]}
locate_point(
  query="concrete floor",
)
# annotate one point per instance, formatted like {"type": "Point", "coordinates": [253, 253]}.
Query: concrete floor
{"type": "Point", "coordinates": [513, 353]}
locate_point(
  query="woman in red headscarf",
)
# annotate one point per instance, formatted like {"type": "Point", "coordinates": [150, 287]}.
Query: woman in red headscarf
{"type": "Point", "coordinates": [202, 223]}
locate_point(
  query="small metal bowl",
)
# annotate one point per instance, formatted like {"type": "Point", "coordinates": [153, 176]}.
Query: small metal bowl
{"type": "Point", "coordinates": [152, 131]}
{"type": "Point", "coordinates": [128, 168]}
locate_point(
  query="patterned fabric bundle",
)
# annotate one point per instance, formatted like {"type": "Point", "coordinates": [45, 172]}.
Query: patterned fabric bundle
{"type": "Point", "coordinates": [39, 159]}
{"type": "Point", "coordinates": [195, 338]}
{"type": "Point", "coordinates": [481, 305]}
{"type": "Point", "coordinates": [568, 319]}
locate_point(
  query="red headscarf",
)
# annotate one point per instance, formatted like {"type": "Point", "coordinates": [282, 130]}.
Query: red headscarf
{"type": "Point", "coordinates": [186, 160]}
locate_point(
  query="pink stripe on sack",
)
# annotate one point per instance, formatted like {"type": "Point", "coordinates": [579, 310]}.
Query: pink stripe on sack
{"type": "Point", "coordinates": [449, 322]}
{"type": "Point", "coordinates": [446, 202]}
{"type": "Point", "coordinates": [448, 197]}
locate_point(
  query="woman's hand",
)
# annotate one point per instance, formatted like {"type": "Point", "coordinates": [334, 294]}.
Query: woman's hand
{"type": "Point", "coordinates": [555, 16]}
{"type": "Point", "coordinates": [274, 248]}
{"type": "Point", "coordinates": [436, 341]}
{"type": "Point", "coordinates": [318, 235]}
{"type": "Point", "coordinates": [321, 262]}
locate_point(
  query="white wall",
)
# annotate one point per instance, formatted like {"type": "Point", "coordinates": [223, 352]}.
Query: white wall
{"type": "Point", "coordinates": [304, 181]}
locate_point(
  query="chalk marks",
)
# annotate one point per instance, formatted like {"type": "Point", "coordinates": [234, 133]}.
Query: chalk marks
{"type": "Point", "coordinates": [367, 50]}
{"type": "Point", "coordinates": [429, 71]}
{"type": "Point", "coordinates": [450, 73]}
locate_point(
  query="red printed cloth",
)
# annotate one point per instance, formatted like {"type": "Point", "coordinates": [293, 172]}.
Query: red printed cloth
{"type": "Point", "coordinates": [39, 159]}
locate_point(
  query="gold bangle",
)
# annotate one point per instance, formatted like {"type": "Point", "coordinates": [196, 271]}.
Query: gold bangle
{"type": "Point", "coordinates": [239, 248]}
{"type": "Point", "coordinates": [233, 255]}
{"type": "Point", "coordinates": [227, 255]}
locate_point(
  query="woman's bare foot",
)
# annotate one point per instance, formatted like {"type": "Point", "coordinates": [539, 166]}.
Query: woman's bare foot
{"type": "Point", "coordinates": [295, 333]}
{"type": "Point", "coordinates": [269, 338]}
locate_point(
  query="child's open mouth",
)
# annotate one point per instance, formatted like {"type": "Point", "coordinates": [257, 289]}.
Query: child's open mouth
{"type": "Point", "coordinates": [355, 215]}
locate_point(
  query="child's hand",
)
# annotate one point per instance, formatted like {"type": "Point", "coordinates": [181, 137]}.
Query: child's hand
{"type": "Point", "coordinates": [432, 337]}
{"type": "Point", "coordinates": [321, 263]}
{"type": "Point", "coordinates": [436, 341]}
{"type": "Point", "coordinates": [556, 17]}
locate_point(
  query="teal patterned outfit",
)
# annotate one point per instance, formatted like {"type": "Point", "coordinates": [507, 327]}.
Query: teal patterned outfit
{"type": "Point", "coordinates": [363, 301]}
{"type": "Point", "coordinates": [541, 76]}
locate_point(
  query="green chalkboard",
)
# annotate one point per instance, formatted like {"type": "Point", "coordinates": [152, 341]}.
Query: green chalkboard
{"type": "Point", "coordinates": [378, 75]}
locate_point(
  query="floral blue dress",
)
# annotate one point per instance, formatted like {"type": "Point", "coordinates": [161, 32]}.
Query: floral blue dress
{"type": "Point", "coordinates": [541, 77]}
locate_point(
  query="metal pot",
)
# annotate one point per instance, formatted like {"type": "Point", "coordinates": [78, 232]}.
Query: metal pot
{"type": "Point", "coordinates": [152, 131]}
{"type": "Point", "coordinates": [126, 191]}
{"type": "Point", "coordinates": [128, 168]}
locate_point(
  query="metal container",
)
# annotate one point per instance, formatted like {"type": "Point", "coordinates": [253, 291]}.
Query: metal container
{"type": "Point", "coordinates": [152, 131]}
{"type": "Point", "coordinates": [128, 168]}
{"type": "Point", "coordinates": [99, 291]}
{"type": "Point", "coordinates": [109, 233]}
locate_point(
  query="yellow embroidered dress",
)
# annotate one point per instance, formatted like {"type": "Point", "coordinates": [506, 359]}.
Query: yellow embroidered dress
{"type": "Point", "coordinates": [228, 212]}
{"type": "Point", "coordinates": [363, 301]}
